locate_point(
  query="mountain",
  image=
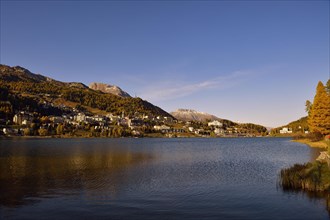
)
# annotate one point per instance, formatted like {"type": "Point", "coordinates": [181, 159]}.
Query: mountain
{"type": "Point", "coordinates": [192, 115]}
{"type": "Point", "coordinates": [25, 90]}
{"type": "Point", "coordinates": [112, 89]}
{"type": "Point", "coordinates": [17, 74]}
{"type": "Point", "coordinates": [195, 116]}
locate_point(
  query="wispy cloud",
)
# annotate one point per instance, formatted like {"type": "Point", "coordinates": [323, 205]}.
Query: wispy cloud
{"type": "Point", "coordinates": [173, 90]}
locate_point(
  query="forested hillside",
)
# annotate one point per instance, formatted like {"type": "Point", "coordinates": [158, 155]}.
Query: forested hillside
{"type": "Point", "coordinates": [22, 89]}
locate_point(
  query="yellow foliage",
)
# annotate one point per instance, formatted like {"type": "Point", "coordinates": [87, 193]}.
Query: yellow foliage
{"type": "Point", "coordinates": [319, 117]}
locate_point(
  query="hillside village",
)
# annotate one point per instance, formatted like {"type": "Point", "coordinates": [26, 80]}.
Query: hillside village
{"type": "Point", "coordinates": [81, 124]}
{"type": "Point", "coordinates": [35, 105]}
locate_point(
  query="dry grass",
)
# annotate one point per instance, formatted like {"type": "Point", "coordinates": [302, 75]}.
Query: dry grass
{"type": "Point", "coordinates": [310, 177]}
{"type": "Point", "coordinates": [318, 144]}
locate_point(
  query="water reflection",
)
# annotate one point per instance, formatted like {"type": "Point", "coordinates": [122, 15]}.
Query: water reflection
{"type": "Point", "coordinates": [150, 179]}
{"type": "Point", "coordinates": [314, 197]}
{"type": "Point", "coordinates": [33, 172]}
{"type": "Point", "coordinates": [318, 197]}
{"type": "Point", "coordinates": [314, 153]}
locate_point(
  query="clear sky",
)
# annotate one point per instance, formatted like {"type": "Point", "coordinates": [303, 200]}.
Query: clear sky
{"type": "Point", "coordinates": [248, 61]}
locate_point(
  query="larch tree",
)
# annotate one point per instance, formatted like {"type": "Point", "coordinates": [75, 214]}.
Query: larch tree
{"type": "Point", "coordinates": [308, 106]}
{"type": "Point", "coordinates": [327, 87]}
{"type": "Point", "coordinates": [319, 117]}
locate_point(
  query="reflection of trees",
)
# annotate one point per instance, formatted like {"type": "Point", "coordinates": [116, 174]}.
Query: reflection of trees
{"type": "Point", "coordinates": [30, 174]}
{"type": "Point", "coordinates": [324, 196]}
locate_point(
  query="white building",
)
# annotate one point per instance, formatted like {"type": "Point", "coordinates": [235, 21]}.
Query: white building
{"type": "Point", "coordinates": [162, 128]}
{"type": "Point", "coordinates": [218, 131]}
{"type": "Point", "coordinates": [26, 122]}
{"type": "Point", "coordinates": [215, 124]}
{"type": "Point", "coordinates": [98, 118]}
{"type": "Point", "coordinates": [80, 117]}
{"type": "Point", "coordinates": [286, 130]}
{"type": "Point", "coordinates": [23, 117]}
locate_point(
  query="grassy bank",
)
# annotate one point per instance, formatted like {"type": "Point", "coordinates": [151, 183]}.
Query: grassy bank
{"type": "Point", "coordinates": [320, 144]}
{"type": "Point", "coordinates": [309, 177]}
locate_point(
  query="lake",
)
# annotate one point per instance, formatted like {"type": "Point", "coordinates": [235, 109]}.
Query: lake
{"type": "Point", "coordinates": [127, 178]}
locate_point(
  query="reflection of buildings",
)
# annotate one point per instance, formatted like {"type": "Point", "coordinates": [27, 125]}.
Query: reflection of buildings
{"type": "Point", "coordinates": [35, 172]}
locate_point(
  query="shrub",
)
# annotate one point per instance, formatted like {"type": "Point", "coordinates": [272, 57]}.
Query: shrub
{"type": "Point", "coordinates": [315, 136]}
{"type": "Point", "coordinates": [310, 177]}
{"type": "Point", "coordinates": [299, 136]}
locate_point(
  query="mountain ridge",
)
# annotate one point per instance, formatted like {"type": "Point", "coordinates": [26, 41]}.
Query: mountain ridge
{"type": "Point", "coordinates": [19, 83]}
{"type": "Point", "coordinates": [193, 115]}
{"type": "Point", "coordinates": [106, 88]}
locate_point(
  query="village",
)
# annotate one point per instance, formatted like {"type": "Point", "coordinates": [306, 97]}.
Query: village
{"type": "Point", "coordinates": [77, 123]}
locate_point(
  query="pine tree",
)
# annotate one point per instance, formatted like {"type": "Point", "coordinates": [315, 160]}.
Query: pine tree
{"type": "Point", "coordinates": [319, 117]}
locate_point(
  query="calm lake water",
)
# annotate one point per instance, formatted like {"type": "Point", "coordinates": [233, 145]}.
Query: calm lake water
{"type": "Point", "coordinates": [228, 178]}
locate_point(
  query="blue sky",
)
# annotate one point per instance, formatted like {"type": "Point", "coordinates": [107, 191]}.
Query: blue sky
{"type": "Point", "coordinates": [248, 61]}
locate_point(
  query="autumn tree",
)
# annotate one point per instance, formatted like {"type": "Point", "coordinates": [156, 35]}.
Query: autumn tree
{"type": "Point", "coordinates": [319, 115]}
{"type": "Point", "coordinates": [43, 132]}
{"type": "Point", "coordinates": [44, 119]}
{"type": "Point", "coordinates": [327, 87]}
{"type": "Point", "coordinates": [27, 132]}
{"type": "Point", "coordinates": [308, 106]}
{"type": "Point", "coordinates": [59, 129]}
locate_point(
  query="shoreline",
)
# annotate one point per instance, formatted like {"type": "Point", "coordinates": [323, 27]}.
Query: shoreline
{"type": "Point", "coordinates": [86, 137]}
{"type": "Point", "coordinates": [312, 177]}
{"type": "Point", "coordinates": [318, 144]}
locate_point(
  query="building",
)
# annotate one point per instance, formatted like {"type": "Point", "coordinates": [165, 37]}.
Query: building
{"type": "Point", "coordinates": [202, 132]}
{"type": "Point", "coordinates": [162, 128]}
{"type": "Point", "coordinates": [135, 123]}
{"type": "Point", "coordinates": [9, 131]}
{"type": "Point", "coordinates": [57, 119]}
{"type": "Point", "coordinates": [80, 117]}
{"type": "Point", "coordinates": [123, 122]}
{"type": "Point", "coordinates": [286, 130]}
{"type": "Point", "coordinates": [98, 118]}
{"type": "Point", "coordinates": [168, 119]}
{"type": "Point", "coordinates": [23, 118]}
{"type": "Point", "coordinates": [215, 124]}
{"type": "Point", "coordinates": [112, 117]}
{"type": "Point", "coordinates": [218, 131]}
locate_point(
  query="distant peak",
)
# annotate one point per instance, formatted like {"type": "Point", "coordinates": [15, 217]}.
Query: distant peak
{"type": "Point", "coordinates": [186, 110]}
{"type": "Point", "coordinates": [192, 115]}
{"type": "Point", "coordinates": [107, 88]}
